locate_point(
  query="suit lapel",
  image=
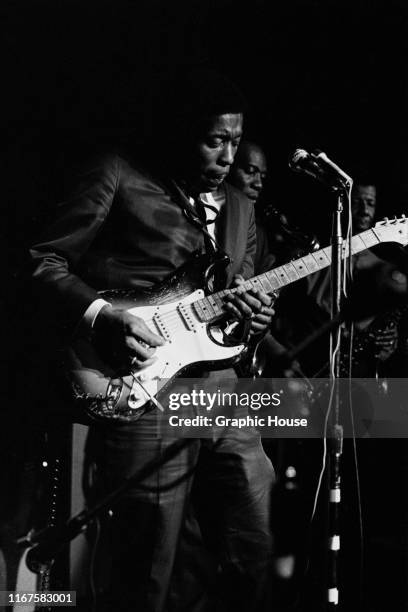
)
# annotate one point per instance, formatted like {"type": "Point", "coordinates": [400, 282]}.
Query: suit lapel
{"type": "Point", "coordinates": [232, 226]}
{"type": "Point", "coordinates": [229, 222]}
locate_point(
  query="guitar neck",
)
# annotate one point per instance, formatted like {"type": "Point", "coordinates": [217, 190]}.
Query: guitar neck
{"type": "Point", "coordinates": [212, 307]}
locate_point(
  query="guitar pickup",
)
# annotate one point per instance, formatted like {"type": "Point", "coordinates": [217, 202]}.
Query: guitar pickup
{"type": "Point", "coordinates": [163, 331]}
{"type": "Point", "coordinates": [186, 314]}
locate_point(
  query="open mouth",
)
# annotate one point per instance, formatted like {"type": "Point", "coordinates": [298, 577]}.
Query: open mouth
{"type": "Point", "coordinates": [216, 179]}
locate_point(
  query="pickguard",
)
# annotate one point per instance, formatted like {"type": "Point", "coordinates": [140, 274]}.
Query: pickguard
{"type": "Point", "coordinates": [187, 343]}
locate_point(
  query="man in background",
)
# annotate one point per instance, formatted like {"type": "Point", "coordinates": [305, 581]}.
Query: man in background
{"type": "Point", "coordinates": [249, 170]}
{"type": "Point", "coordinates": [313, 293]}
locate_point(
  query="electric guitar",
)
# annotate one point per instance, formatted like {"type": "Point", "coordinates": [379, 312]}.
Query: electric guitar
{"type": "Point", "coordinates": [180, 312]}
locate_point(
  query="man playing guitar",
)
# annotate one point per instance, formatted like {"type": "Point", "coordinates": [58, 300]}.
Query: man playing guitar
{"type": "Point", "coordinates": [135, 218]}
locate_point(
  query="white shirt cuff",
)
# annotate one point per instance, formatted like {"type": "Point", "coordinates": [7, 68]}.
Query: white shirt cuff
{"type": "Point", "coordinates": [90, 314]}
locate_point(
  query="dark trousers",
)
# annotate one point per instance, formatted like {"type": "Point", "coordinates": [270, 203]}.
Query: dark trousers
{"type": "Point", "coordinates": [203, 544]}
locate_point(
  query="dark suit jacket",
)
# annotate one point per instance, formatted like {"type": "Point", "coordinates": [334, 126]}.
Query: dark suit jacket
{"type": "Point", "coordinates": [123, 228]}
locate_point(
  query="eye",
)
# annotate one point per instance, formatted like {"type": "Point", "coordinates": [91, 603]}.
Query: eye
{"type": "Point", "coordinates": [214, 143]}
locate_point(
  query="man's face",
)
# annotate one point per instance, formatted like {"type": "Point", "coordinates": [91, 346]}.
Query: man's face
{"type": "Point", "coordinates": [214, 153]}
{"type": "Point", "coordinates": [363, 203]}
{"type": "Point", "coordinates": [249, 172]}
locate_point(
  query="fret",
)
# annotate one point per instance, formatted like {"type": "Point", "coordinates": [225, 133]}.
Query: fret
{"type": "Point", "coordinates": [224, 292]}
{"type": "Point", "coordinates": [301, 269]}
{"type": "Point", "coordinates": [206, 310]}
{"type": "Point", "coordinates": [216, 303]}
{"type": "Point", "coordinates": [265, 284]}
{"type": "Point", "coordinates": [261, 282]}
{"type": "Point", "coordinates": [369, 238]}
{"type": "Point", "coordinates": [321, 259]}
{"type": "Point", "coordinates": [250, 284]}
{"type": "Point", "coordinates": [281, 274]}
{"type": "Point", "coordinates": [357, 244]}
{"type": "Point", "coordinates": [274, 279]}
{"type": "Point", "coordinates": [328, 252]}
{"type": "Point", "coordinates": [220, 304]}
{"type": "Point", "coordinates": [207, 305]}
{"type": "Point", "coordinates": [221, 307]}
{"type": "Point", "coordinates": [310, 263]}
{"type": "Point", "coordinates": [212, 306]}
{"type": "Point", "coordinates": [379, 232]}
{"type": "Point", "coordinates": [219, 300]}
{"type": "Point", "coordinates": [198, 307]}
{"type": "Point", "coordinates": [291, 272]}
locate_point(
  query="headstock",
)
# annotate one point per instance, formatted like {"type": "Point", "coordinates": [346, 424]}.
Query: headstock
{"type": "Point", "coordinates": [392, 230]}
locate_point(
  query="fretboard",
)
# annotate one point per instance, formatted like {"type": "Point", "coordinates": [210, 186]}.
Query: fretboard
{"type": "Point", "coordinates": [212, 307]}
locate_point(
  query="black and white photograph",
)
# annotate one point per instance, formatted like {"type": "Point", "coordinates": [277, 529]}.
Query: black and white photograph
{"type": "Point", "coordinates": [204, 306]}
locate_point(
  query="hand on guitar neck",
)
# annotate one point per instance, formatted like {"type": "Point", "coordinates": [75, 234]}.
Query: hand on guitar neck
{"type": "Point", "coordinates": [254, 304]}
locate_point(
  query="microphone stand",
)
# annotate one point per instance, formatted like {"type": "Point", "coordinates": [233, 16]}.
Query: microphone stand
{"type": "Point", "coordinates": [335, 441]}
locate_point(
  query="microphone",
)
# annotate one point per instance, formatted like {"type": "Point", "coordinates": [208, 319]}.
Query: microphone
{"type": "Point", "coordinates": [320, 167]}
{"type": "Point", "coordinates": [333, 168]}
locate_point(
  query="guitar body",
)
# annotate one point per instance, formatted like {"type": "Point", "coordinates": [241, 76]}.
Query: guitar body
{"type": "Point", "coordinates": [180, 312]}
{"type": "Point", "coordinates": [113, 394]}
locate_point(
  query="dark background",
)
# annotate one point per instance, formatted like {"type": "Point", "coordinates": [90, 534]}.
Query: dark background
{"type": "Point", "coordinates": [328, 74]}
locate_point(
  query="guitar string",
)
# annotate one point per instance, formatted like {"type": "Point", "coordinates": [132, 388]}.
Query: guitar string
{"type": "Point", "coordinates": [171, 318]}
{"type": "Point", "coordinates": [285, 272]}
{"type": "Point", "coordinates": [263, 279]}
